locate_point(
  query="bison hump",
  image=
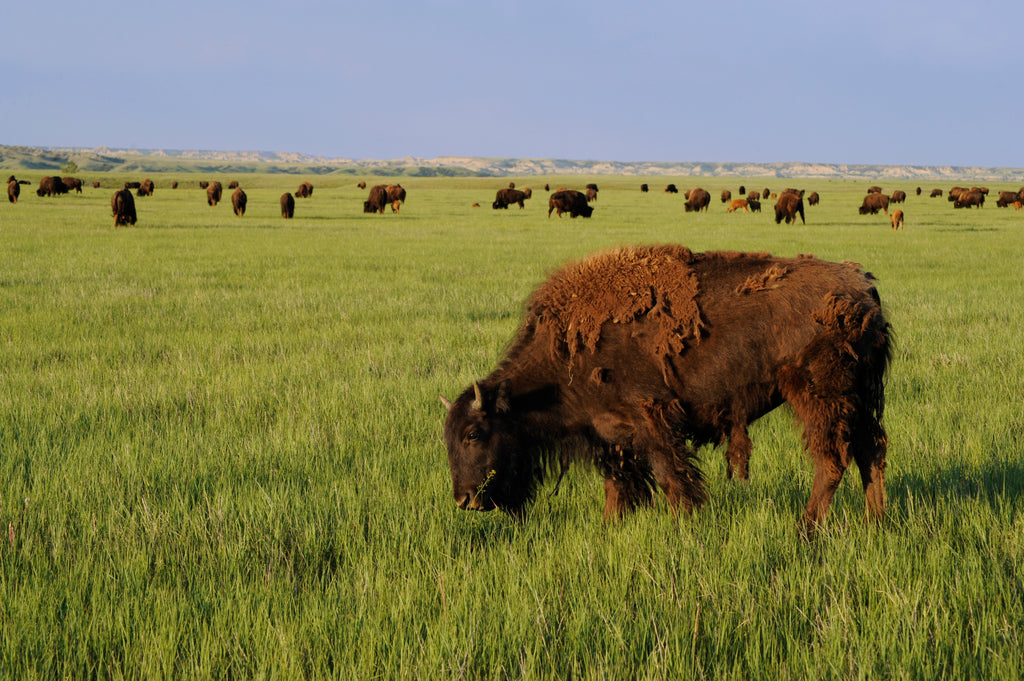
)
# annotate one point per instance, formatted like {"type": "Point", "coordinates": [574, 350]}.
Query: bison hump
{"type": "Point", "coordinates": [620, 286]}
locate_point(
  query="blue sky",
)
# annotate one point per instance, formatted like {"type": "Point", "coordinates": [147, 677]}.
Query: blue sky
{"type": "Point", "coordinates": [931, 83]}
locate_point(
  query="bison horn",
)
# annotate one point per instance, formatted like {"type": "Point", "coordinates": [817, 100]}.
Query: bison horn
{"type": "Point", "coordinates": [478, 401]}
{"type": "Point", "coordinates": [446, 402]}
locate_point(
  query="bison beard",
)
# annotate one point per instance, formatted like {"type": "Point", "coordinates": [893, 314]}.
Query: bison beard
{"type": "Point", "coordinates": [633, 358]}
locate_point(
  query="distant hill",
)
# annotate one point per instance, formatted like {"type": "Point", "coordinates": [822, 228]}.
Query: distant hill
{"type": "Point", "coordinates": [99, 159]}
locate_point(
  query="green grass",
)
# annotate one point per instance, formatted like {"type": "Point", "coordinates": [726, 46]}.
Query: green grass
{"type": "Point", "coordinates": [220, 450]}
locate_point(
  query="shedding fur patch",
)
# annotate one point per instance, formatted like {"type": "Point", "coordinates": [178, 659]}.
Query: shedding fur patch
{"type": "Point", "coordinates": [769, 279]}
{"type": "Point", "coordinates": [621, 286]}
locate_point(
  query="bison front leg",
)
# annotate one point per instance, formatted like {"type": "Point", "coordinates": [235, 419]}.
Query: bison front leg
{"type": "Point", "coordinates": [869, 447]}
{"type": "Point", "coordinates": [681, 481]}
{"type": "Point", "coordinates": [627, 481]}
{"type": "Point", "coordinates": [737, 455]}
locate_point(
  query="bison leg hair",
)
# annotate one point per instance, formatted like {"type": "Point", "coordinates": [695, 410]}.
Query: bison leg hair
{"type": "Point", "coordinates": [737, 455]}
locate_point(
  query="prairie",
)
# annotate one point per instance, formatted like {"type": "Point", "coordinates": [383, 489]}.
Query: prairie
{"type": "Point", "coordinates": [220, 449]}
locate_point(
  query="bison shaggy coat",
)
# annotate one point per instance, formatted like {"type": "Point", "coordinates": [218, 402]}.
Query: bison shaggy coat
{"type": "Point", "coordinates": [873, 203]}
{"type": "Point", "coordinates": [507, 196]}
{"type": "Point", "coordinates": [122, 205]}
{"type": "Point", "coordinates": [378, 199]}
{"type": "Point", "coordinates": [213, 193]}
{"type": "Point", "coordinates": [569, 201]}
{"type": "Point", "coordinates": [238, 201]}
{"type": "Point", "coordinates": [13, 190]}
{"type": "Point", "coordinates": [632, 358]}
{"type": "Point", "coordinates": [897, 219]}
{"type": "Point", "coordinates": [697, 200]}
{"type": "Point", "coordinates": [396, 196]}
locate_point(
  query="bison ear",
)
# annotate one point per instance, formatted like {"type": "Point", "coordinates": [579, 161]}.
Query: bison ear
{"type": "Point", "coordinates": [446, 402]}
{"type": "Point", "coordinates": [503, 404]}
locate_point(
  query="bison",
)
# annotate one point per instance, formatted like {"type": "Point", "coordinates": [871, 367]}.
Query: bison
{"type": "Point", "coordinates": [671, 189]}
{"type": "Point", "coordinates": [787, 207]}
{"type": "Point", "coordinates": [633, 358]}
{"type": "Point", "coordinates": [754, 205]}
{"type": "Point", "coordinates": [935, 192]}
{"type": "Point", "coordinates": [13, 190]}
{"type": "Point", "coordinates": [287, 205]}
{"type": "Point", "coordinates": [699, 199]}
{"type": "Point", "coordinates": [378, 199]}
{"type": "Point", "coordinates": [569, 201]}
{"type": "Point", "coordinates": [736, 205]}
{"type": "Point", "coordinates": [213, 193]}
{"type": "Point", "coordinates": [507, 196]}
{"type": "Point", "coordinates": [898, 196]}
{"type": "Point", "coordinates": [968, 198]}
{"type": "Point", "coordinates": [644, 188]}
{"type": "Point", "coordinates": [238, 201]}
{"type": "Point", "coordinates": [51, 186]}
{"type": "Point", "coordinates": [873, 203]}
{"type": "Point", "coordinates": [396, 196]}
{"type": "Point", "coordinates": [1007, 198]}
{"type": "Point", "coordinates": [304, 191]}
{"type": "Point", "coordinates": [145, 188]}
{"type": "Point", "coordinates": [233, 184]}
{"type": "Point", "coordinates": [727, 195]}
{"type": "Point", "coordinates": [813, 199]}
{"type": "Point", "coordinates": [122, 205]}
{"type": "Point", "coordinates": [897, 219]}
{"type": "Point", "coordinates": [72, 183]}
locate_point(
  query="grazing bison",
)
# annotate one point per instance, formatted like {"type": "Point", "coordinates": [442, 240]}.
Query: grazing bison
{"type": "Point", "coordinates": [898, 196]}
{"type": "Point", "coordinates": [13, 190]}
{"type": "Point", "coordinates": [874, 190]}
{"type": "Point", "coordinates": [378, 200]}
{"type": "Point", "coordinates": [72, 183]}
{"type": "Point", "coordinates": [396, 196]}
{"type": "Point", "coordinates": [1007, 198]}
{"type": "Point", "coordinates": [727, 195]}
{"type": "Point", "coordinates": [361, 185]}
{"type": "Point", "coordinates": [122, 205]}
{"type": "Point", "coordinates": [233, 184]}
{"type": "Point", "coordinates": [743, 190]}
{"type": "Point", "coordinates": [698, 200]}
{"type": "Point", "coordinates": [569, 201]}
{"type": "Point", "coordinates": [754, 205]}
{"type": "Point", "coordinates": [174, 184]}
{"type": "Point", "coordinates": [51, 186]}
{"type": "Point", "coordinates": [671, 189]}
{"type": "Point", "coordinates": [954, 193]}
{"type": "Point", "coordinates": [203, 184]}
{"type": "Point", "coordinates": [788, 206]}
{"type": "Point", "coordinates": [304, 191]}
{"type": "Point", "coordinates": [1017, 206]}
{"type": "Point", "coordinates": [897, 219]}
{"type": "Point", "coordinates": [966, 199]}
{"type": "Point", "coordinates": [766, 193]}
{"type": "Point", "coordinates": [873, 203]}
{"type": "Point", "coordinates": [96, 184]}
{"type": "Point", "coordinates": [918, 191]}
{"type": "Point", "coordinates": [213, 193]}
{"type": "Point", "coordinates": [813, 199]}
{"type": "Point", "coordinates": [935, 192]}
{"type": "Point", "coordinates": [736, 205]}
{"type": "Point", "coordinates": [238, 201]}
{"type": "Point", "coordinates": [506, 197]}
{"type": "Point", "coordinates": [145, 188]}
{"type": "Point", "coordinates": [132, 185]}
{"type": "Point", "coordinates": [633, 358]}
{"type": "Point", "coordinates": [287, 205]}
{"type": "Point", "coordinates": [644, 188]}
{"type": "Point", "coordinates": [591, 194]}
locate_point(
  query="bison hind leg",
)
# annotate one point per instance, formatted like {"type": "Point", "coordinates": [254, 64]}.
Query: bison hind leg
{"type": "Point", "coordinates": [737, 455]}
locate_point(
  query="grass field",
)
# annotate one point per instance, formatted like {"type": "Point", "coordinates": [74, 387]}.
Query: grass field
{"type": "Point", "coordinates": [220, 450]}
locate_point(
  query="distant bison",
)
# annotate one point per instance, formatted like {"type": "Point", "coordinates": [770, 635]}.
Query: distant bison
{"type": "Point", "coordinates": [13, 190]}
{"type": "Point", "coordinates": [145, 188]}
{"type": "Point", "coordinates": [698, 200]}
{"type": "Point", "coordinates": [506, 197]}
{"type": "Point", "coordinates": [754, 205]}
{"type": "Point", "coordinates": [671, 189]}
{"type": "Point", "coordinates": [737, 204]}
{"type": "Point", "coordinates": [304, 191]}
{"type": "Point", "coordinates": [873, 203]}
{"type": "Point", "coordinates": [361, 185]}
{"type": "Point", "coordinates": [633, 358]}
{"type": "Point", "coordinates": [897, 219]}
{"type": "Point", "coordinates": [935, 192]}
{"type": "Point", "coordinates": [813, 199]}
{"type": "Point", "coordinates": [727, 195]}
{"type": "Point", "coordinates": [287, 205]}
{"type": "Point", "coordinates": [51, 186]}
{"type": "Point", "coordinates": [238, 201]}
{"type": "Point", "coordinates": [644, 188]}
{"type": "Point", "coordinates": [898, 196]}
{"type": "Point", "coordinates": [122, 205]}
{"type": "Point", "coordinates": [569, 201]}
{"type": "Point", "coordinates": [132, 185]}
{"type": "Point", "coordinates": [213, 193]}
{"type": "Point", "coordinates": [233, 184]}
{"type": "Point", "coordinates": [203, 184]}
{"type": "Point", "coordinates": [72, 183]}
{"type": "Point", "coordinates": [788, 206]}
{"type": "Point", "coordinates": [874, 190]}
{"type": "Point", "coordinates": [378, 199]}
{"type": "Point", "coordinates": [966, 199]}
{"type": "Point", "coordinates": [1007, 198]}
{"type": "Point", "coordinates": [396, 196]}
{"type": "Point", "coordinates": [174, 184]}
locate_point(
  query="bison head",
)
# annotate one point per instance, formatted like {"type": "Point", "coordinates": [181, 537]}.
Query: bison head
{"type": "Point", "coordinates": [489, 451]}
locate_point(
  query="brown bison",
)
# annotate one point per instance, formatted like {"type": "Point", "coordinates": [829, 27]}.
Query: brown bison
{"type": "Point", "coordinates": [238, 201]}
{"type": "Point", "coordinates": [72, 183]}
{"type": "Point", "coordinates": [304, 191]}
{"type": "Point", "coordinates": [788, 206]}
{"type": "Point", "coordinates": [507, 196]}
{"type": "Point", "coordinates": [766, 193]}
{"type": "Point", "coordinates": [213, 193]}
{"type": "Point", "coordinates": [813, 199]}
{"type": "Point", "coordinates": [954, 193]}
{"type": "Point", "coordinates": [897, 219]}
{"type": "Point", "coordinates": [204, 184]}
{"type": "Point", "coordinates": [233, 184]}
{"type": "Point", "coordinates": [633, 358]}
{"type": "Point", "coordinates": [1007, 198]}
{"type": "Point", "coordinates": [13, 190]}
{"type": "Point", "coordinates": [51, 186]}
{"type": "Point", "coordinates": [591, 194]}
{"type": "Point", "coordinates": [736, 205]}
{"type": "Point", "coordinates": [671, 189]}
{"type": "Point", "coordinates": [396, 196]}
{"type": "Point", "coordinates": [174, 184]}
{"type": "Point", "coordinates": [968, 198]}
{"type": "Point", "coordinates": [287, 205]}
{"type": "Point", "coordinates": [361, 185]}
{"type": "Point", "coordinates": [898, 196]}
{"type": "Point", "coordinates": [122, 205]}
{"type": "Point", "coordinates": [873, 203]}
{"type": "Point", "coordinates": [874, 190]}
{"type": "Point", "coordinates": [727, 195]}
{"type": "Point", "coordinates": [569, 201]}
{"type": "Point", "coordinates": [698, 200]}
{"type": "Point", "coordinates": [935, 192]}
{"type": "Point", "coordinates": [132, 185]}
{"type": "Point", "coordinates": [378, 200]}
{"type": "Point", "coordinates": [145, 188]}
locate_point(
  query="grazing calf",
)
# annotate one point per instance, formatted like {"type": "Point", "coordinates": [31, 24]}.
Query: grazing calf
{"type": "Point", "coordinates": [897, 219]}
{"type": "Point", "coordinates": [736, 205]}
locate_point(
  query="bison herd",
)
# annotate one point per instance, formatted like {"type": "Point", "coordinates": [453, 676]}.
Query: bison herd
{"type": "Point", "coordinates": [789, 203]}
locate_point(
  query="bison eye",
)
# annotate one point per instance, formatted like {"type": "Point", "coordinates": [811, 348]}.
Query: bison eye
{"type": "Point", "coordinates": [473, 435]}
